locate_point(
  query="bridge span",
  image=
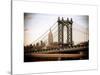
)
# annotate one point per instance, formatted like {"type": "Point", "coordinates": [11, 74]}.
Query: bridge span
{"type": "Point", "coordinates": [61, 54]}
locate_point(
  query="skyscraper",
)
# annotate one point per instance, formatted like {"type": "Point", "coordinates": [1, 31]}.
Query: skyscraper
{"type": "Point", "coordinates": [50, 38]}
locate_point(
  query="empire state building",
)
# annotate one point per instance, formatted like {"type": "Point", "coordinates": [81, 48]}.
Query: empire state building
{"type": "Point", "coordinates": [50, 38]}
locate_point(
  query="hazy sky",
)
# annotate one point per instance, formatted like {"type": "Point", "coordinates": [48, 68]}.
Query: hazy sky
{"type": "Point", "coordinates": [36, 24]}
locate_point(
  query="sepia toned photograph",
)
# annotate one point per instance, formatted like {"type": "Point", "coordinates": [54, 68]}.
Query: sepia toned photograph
{"type": "Point", "coordinates": [55, 37]}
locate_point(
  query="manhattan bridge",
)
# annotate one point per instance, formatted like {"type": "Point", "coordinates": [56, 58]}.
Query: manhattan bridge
{"type": "Point", "coordinates": [62, 45]}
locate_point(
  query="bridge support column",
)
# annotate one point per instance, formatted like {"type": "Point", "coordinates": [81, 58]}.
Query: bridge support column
{"type": "Point", "coordinates": [60, 33]}
{"type": "Point", "coordinates": [59, 58]}
{"type": "Point", "coordinates": [82, 54]}
{"type": "Point", "coordinates": [69, 32]}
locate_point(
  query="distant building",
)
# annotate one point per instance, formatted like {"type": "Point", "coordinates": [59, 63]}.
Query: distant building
{"type": "Point", "coordinates": [50, 38]}
{"type": "Point", "coordinates": [42, 44]}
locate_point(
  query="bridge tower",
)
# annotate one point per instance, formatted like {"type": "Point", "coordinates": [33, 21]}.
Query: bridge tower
{"type": "Point", "coordinates": [60, 32]}
{"type": "Point", "coordinates": [61, 24]}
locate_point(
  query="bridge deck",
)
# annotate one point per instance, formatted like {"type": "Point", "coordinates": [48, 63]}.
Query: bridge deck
{"type": "Point", "coordinates": [57, 55]}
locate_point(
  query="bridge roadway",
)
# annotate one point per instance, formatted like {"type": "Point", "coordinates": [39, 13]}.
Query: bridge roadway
{"type": "Point", "coordinates": [72, 49]}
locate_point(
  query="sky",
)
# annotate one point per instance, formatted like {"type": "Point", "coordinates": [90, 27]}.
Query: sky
{"type": "Point", "coordinates": [36, 24]}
